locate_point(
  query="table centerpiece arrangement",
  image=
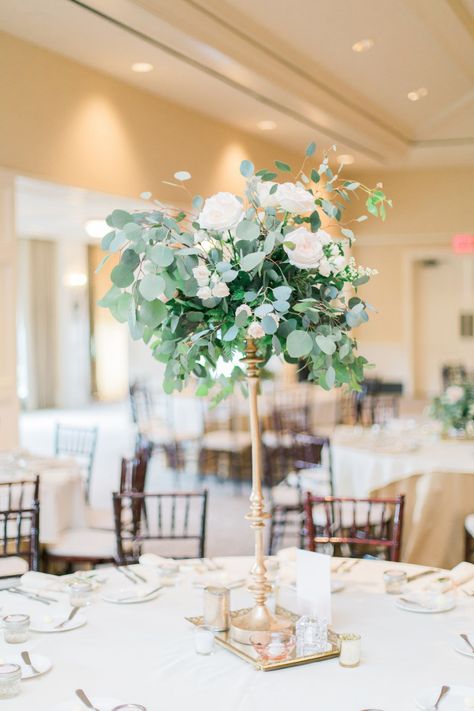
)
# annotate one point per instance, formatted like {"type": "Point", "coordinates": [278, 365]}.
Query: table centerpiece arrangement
{"type": "Point", "coordinates": [454, 408]}
{"type": "Point", "coordinates": [250, 275]}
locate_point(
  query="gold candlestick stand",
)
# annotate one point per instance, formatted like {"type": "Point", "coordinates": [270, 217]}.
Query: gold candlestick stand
{"type": "Point", "coordinates": [259, 618]}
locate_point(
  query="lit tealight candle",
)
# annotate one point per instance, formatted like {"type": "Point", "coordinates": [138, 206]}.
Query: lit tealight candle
{"type": "Point", "coordinates": [203, 640]}
{"type": "Point", "coordinates": [350, 650]}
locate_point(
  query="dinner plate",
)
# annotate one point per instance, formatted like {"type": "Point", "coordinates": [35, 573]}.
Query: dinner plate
{"type": "Point", "coordinates": [41, 663]}
{"type": "Point", "coordinates": [462, 647]}
{"type": "Point", "coordinates": [102, 703]}
{"type": "Point", "coordinates": [453, 701]}
{"type": "Point", "coordinates": [445, 605]}
{"type": "Point", "coordinates": [130, 596]}
{"type": "Point", "coordinates": [47, 623]}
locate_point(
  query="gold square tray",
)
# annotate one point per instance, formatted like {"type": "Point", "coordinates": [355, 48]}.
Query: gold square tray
{"type": "Point", "coordinates": [248, 654]}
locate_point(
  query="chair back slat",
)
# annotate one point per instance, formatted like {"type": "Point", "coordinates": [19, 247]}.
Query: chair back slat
{"type": "Point", "coordinates": [355, 524]}
{"type": "Point", "coordinates": [19, 519]}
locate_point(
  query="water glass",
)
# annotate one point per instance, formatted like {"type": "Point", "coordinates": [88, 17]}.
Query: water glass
{"type": "Point", "coordinates": [204, 640]}
{"type": "Point", "coordinates": [311, 636]}
{"type": "Point", "coordinates": [10, 677]}
{"type": "Point", "coordinates": [80, 593]}
{"type": "Point", "coordinates": [15, 628]}
{"type": "Point", "coordinates": [350, 650]}
{"type": "Point", "coordinates": [395, 581]}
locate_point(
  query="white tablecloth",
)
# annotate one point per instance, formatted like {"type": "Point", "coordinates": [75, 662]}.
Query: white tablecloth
{"type": "Point", "coordinates": [62, 502]}
{"type": "Point", "coordinates": [144, 654]}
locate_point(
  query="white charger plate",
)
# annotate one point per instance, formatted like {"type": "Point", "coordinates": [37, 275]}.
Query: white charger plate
{"type": "Point", "coordinates": [41, 663]}
{"type": "Point", "coordinates": [47, 623]}
{"type": "Point", "coordinates": [103, 703]}
{"type": "Point", "coordinates": [453, 701]}
{"type": "Point", "coordinates": [449, 604]}
{"type": "Point", "coordinates": [129, 596]}
{"type": "Point", "coordinates": [462, 647]}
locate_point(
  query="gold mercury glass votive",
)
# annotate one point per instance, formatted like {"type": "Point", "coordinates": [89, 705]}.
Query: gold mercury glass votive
{"type": "Point", "coordinates": [350, 650]}
{"type": "Point", "coordinates": [217, 608]}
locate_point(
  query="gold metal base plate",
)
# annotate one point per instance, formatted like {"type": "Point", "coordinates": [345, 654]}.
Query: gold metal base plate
{"type": "Point", "coordinates": [248, 654]}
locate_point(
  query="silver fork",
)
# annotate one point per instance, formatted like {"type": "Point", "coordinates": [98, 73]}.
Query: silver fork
{"type": "Point", "coordinates": [27, 659]}
{"type": "Point", "coordinates": [467, 640]}
{"type": "Point", "coordinates": [442, 694]}
{"type": "Point", "coordinates": [81, 694]}
{"type": "Point", "coordinates": [127, 574]}
{"type": "Point", "coordinates": [349, 567]}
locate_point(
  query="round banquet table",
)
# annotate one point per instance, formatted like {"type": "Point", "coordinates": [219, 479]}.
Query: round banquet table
{"type": "Point", "coordinates": [144, 653]}
{"type": "Point", "coordinates": [436, 476]}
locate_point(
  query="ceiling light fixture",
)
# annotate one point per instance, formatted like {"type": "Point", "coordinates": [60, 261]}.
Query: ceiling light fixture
{"type": "Point", "coordinates": [345, 159]}
{"type": "Point", "coordinates": [96, 228]}
{"type": "Point", "coordinates": [418, 94]}
{"type": "Point", "coordinates": [142, 67]}
{"type": "Point", "coordinates": [266, 125]}
{"type": "Point", "coordinates": [75, 279]}
{"type": "Point", "coordinates": [363, 45]}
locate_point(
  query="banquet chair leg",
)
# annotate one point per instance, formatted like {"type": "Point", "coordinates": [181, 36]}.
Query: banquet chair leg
{"type": "Point", "coordinates": [469, 546]}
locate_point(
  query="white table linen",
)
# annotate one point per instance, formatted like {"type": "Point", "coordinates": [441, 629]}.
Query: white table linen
{"type": "Point", "coordinates": [145, 654]}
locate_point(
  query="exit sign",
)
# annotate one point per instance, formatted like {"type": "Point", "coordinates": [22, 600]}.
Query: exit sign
{"type": "Point", "coordinates": [463, 243]}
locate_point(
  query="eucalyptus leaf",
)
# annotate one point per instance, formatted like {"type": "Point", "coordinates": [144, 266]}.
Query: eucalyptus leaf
{"type": "Point", "coordinates": [284, 167]}
{"type": "Point", "coordinates": [252, 260]}
{"type": "Point", "coordinates": [330, 377]}
{"type": "Point", "coordinates": [121, 276]}
{"type": "Point", "coordinates": [263, 310]}
{"type": "Point", "coordinates": [282, 293]}
{"type": "Point", "coordinates": [107, 240]}
{"type": "Point", "coordinates": [101, 263]}
{"type": "Point", "coordinates": [229, 276]}
{"type": "Point", "coordinates": [299, 344]}
{"type": "Point", "coordinates": [161, 255]}
{"type": "Point", "coordinates": [152, 286]}
{"type": "Point", "coordinates": [311, 149]}
{"type": "Point", "coordinates": [231, 334]}
{"type": "Point", "coordinates": [152, 313]}
{"type": "Point", "coordinates": [247, 168]}
{"type": "Point", "coordinates": [269, 325]}
{"type": "Point", "coordinates": [182, 175]}
{"type": "Point", "coordinates": [281, 306]}
{"type": "Point", "coordinates": [119, 218]}
{"type": "Point", "coordinates": [247, 230]}
{"type": "Point", "coordinates": [325, 344]}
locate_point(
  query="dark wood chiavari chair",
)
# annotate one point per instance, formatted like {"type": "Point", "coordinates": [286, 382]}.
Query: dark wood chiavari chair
{"type": "Point", "coordinates": [306, 468]}
{"type": "Point", "coordinates": [80, 443]}
{"type": "Point", "coordinates": [172, 518]}
{"type": "Point", "coordinates": [469, 533]}
{"type": "Point", "coordinates": [358, 525]}
{"type": "Point", "coordinates": [19, 521]}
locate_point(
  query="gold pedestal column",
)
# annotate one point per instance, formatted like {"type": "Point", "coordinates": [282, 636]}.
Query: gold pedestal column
{"type": "Point", "coordinates": [259, 618]}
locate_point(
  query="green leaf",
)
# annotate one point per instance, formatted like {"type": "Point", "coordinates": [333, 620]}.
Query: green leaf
{"type": "Point", "coordinates": [250, 261]}
{"type": "Point", "coordinates": [223, 267]}
{"type": "Point", "coordinates": [282, 293]}
{"type": "Point", "coordinates": [268, 176]}
{"type": "Point", "coordinates": [247, 230]}
{"type": "Point", "coordinates": [241, 319]}
{"type": "Point", "coordinates": [121, 276]}
{"type": "Point", "coordinates": [315, 221]}
{"type": "Point", "coordinates": [345, 349]}
{"type": "Point", "coordinates": [229, 276]}
{"type": "Point", "coordinates": [119, 218]}
{"type": "Point", "coordinates": [276, 345]}
{"type": "Point", "coordinates": [273, 189]}
{"type": "Point", "coordinates": [281, 306]}
{"type": "Point", "coordinates": [330, 377]}
{"type": "Point", "coordinates": [269, 243]}
{"type": "Point", "coordinates": [152, 286]}
{"type": "Point", "coordinates": [315, 177]}
{"type": "Point", "coordinates": [352, 186]}
{"type": "Point", "coordinates": [182, 175]}
{"type": "Point", "coordinates": [120, 238]}
{"type": "Point", "coordinates": [263, 310]}
{"type": "Point", "coordinates": [347, 233]}
{"type": "Point", "coordinates": [310, 150]}
{"type": "Point", "coordinates": [152, 313]}
{"type": "Point", "coordinates": [361, 280]}
{"type": "Point", "coordinates": [326, 344]}
{"type": "Point", "coordinates": [299, 344]}
{"type": "Point", "coordinates": [362, 218]}
{"type": "Point", "coordinates": [246, 168]}
{"type": "Point", "coordinates": [120, 308]}
{"type": "Point", "coordinates": [269, 325]}
{"type": "Point", "coordinates": [161, 255]}
{"type": "Point", "coordinates": [198, 202]}
{"type": "Point", "coordinates": [107, 240]}
{"type": "Point", "coordinates": [231, 334]}
{"type": "Point", "coordinates": [101, 263]}
{"type": "Point", "coordinates": [284, 167]}
{"type": "Point", "coordinates": [130, 259]}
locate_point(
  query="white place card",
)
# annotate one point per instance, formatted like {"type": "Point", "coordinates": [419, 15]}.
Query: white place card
{"type": "Point", "coordinates": [313, 584]}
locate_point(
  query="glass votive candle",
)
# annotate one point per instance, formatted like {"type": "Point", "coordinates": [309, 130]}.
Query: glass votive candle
{"type": "Point", "coordinates": [204, 640]}
{"type": "Point", "coordinates": [350, 650]}
{"type": "Point", "coordinates": [129, 707]}
{"type": "Point", "coordinates": [80, 593]}
{"type": "Point", "coordinates": [15, 628]}
{"type": "Point", "coordinates": [395, 581]}
{"type": "Point", "coordinates": [10, 677]}
{"type": "Point", "coordinates": [217, 608]}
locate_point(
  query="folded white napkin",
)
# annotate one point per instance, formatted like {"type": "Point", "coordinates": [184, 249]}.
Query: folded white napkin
{"type": "Point", "coordinates": [462, 573]}
{"type": "Point", "coordinates": [41, 581]}
{"type": "Point", "coordinates": [151, 560]}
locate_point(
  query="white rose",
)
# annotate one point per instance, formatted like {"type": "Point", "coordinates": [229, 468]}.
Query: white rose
{"type": "Point", "coordinates": [295, 199]}
{"type": "Point", "coordinates": [324, 267]}
{"type": "Point", "coordinates": [220, 290]}
{"type": "Point", "coordinates": [255, 330]}
{"type": "Point", "coordinates": [308, 250]}
{"type": "Point", "coordinates": [243, 308]}
{"type": "Point", "coordinates": [324, 237]}
{"type": "Point", "coordinates": [454, 393]}
{"type": "Point", "coordinates": [221, 212]}
{"type": "Point", "coordinates": [338, 263]}
{"type": "Point", "coordinates": [204, 293]}
{"type": "Point", "coordinates": [201, 274]}
{"type": "Point", "coordinates": [263, 194]}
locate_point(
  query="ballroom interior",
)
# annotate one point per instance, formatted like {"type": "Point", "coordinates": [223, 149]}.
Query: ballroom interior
{"type": "Point", "coordinates": [123, 107]}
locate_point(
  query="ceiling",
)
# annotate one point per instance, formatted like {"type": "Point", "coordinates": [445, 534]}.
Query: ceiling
{"type": "Point", "coordinates": [291, 62]}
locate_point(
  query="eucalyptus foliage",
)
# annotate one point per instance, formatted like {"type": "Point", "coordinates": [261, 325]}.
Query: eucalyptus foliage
{"type": "Point", "coordinates": [194, 285]}
{"type": "Point", "coordinates": [455, 408]}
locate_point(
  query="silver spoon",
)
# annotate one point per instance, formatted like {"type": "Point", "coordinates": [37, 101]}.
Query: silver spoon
{"type": "Point", "coordinates": [81, 695]}
{"type": "Point", "coordinates": [442, 694]}
{"type": "Point", "coordinates": [467, 640]}
{"type": "Point", "coordinates": [71, 615]}
{"type": "Point", "coordinates": [27, 659]}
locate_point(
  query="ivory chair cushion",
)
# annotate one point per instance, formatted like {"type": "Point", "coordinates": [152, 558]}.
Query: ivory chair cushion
{"type": "Point", "coordinates": [226, 441]}
{"type": "Point", "coordinates": [85, 543]}
{"type": "Point", "coordinates": [11, 566]}
{"type": "Point", "coordinates": [469, 524]}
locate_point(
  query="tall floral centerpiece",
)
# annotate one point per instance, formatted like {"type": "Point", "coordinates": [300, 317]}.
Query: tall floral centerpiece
{"type": "Point", "coordinates": [253, 275]}
{"type": "Point", "coordinates": [454, 408]}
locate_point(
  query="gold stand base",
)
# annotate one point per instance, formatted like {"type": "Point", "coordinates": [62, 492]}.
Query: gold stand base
{"type": "Point", "coordinates": [258, 619]}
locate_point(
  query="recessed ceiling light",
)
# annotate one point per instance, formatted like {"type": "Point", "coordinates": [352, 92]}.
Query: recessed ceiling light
{"type": "Point", "coordinates": [96, 228]}
{"type": "Point", "coordinates": [266, 125]}
{"type": "Point", "coordinates": [418, 94]}
{"type": "Point", "coordinates": [142, 67]}
{"type": "Point", "coordinates": [345, 159]}
{"type": "Point", "coordinates": [363, 45]}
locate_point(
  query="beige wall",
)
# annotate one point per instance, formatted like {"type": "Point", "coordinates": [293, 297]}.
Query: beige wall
{"type": "Point", "coordinates": [64, 122]}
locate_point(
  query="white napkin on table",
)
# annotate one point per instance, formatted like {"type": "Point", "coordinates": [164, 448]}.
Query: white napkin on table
{"type": "Point", "coordinates": [41, 581]}
{"type": "Point", "coordinates": [462, 573]}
